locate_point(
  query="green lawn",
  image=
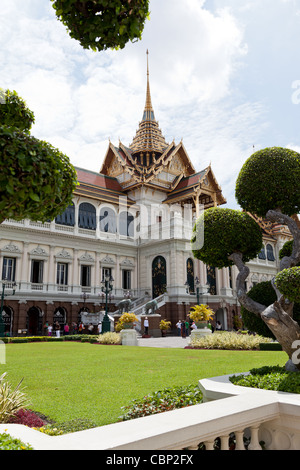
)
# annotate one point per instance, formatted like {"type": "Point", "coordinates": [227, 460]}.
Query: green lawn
{"type": "Point", "coordinates": [82, 380]}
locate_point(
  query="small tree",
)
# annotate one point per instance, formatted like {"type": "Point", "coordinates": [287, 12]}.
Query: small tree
{"type": "Point", "coordinates": [103, 24]}
{"type": "Point", "coordinates": [36, 180]}
{"type": "Point", "coordinates": [269, 186]}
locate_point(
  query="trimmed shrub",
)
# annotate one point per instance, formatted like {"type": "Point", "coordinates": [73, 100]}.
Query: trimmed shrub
{"type": "Point", "coordinates": [270, 347]}
{"type": "Point", "coordinates": [226, 231]}
{"type": "Point", "coordinates": [270, 180]}
{"type": "Point", "coordinates": [228, 340]}
{"type": "Point", "coordinates": [288, 283]}
{"type": "Point", "coordinates": [109, 338]}
{"type": "Point", "coordinates": [269, 378]}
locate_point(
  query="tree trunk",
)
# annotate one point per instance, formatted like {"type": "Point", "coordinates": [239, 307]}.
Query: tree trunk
{"type": "Point", "coordinates": [278, 316]}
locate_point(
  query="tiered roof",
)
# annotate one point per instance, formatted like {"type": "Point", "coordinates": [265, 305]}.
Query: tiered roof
{"type": "Point", "coordinates": [150, 161]}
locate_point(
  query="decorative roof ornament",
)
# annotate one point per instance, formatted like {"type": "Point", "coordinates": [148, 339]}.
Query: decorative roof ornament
{"type": "Point", "coordinates": [148, 137]}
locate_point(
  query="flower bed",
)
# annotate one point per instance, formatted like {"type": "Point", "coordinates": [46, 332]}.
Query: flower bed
{"type": "Point", "coordinates": [229, 340]}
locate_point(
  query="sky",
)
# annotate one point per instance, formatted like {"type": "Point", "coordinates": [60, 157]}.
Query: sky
{"type": "Point", "coordinates": [224, 77]}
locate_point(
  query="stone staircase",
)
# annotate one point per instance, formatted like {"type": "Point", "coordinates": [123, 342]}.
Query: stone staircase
{"type": "Point", "coordinates": [138, 307]}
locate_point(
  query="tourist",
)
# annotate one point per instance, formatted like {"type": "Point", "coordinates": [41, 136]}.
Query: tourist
{"type": "Point", "coordinates": [99, 327]}
{"type": "Point", "coordinates": [178, 325]}
{"type": "Point", "coordinates": [50, 330]}
{"type": "Point", "coordinates": [183, 331]}
{"type": "Point", "coordinates": [57, 329]}
{"type": "Point", "coordinates": [193, 326]}
{"type": "Point", "coordinates": [74, 328]}
{"type": "Point", "coordinates": [66, 329]}
{"type": "Point", "coordinates": [187, 328]}
{"type": "Point", "coordinates": [218, 326]}
{"type": "Point", "coordinates": [146, 325]}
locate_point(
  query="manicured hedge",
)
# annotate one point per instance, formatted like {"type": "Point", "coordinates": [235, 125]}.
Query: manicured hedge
{"type": "Point", "coordinates": [270, 347]}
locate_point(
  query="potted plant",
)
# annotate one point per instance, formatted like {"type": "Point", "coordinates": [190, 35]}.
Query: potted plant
{"type": "Point", "coordinates": [164, 326]}
{"type": "Point", "coordinates": [201, 315]}
{"type": "Point", "coordinates": [126, 321]}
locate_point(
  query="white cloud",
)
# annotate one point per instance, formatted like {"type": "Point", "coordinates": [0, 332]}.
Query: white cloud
{"type": "Point", "coordinates": [81, 99]}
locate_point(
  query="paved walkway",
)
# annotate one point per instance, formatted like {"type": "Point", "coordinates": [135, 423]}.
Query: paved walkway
{"type": "Point", "coordinates": [166, 342]}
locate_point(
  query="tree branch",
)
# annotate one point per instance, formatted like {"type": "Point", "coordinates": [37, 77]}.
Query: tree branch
{"type": "Point", "coordinates": [243, 298]}
{"type": "Point", "coordinates": [294, 259]}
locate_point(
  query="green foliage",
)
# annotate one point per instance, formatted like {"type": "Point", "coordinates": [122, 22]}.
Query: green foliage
{"type": "Point", "coordinates": [264, 294]}
{"type": "Point", "coordinates": [11, 401]}
{"type": "Point", "coordinates": [270, 346]}
{"type": "Point", "coordinates": [74, 425]}
{"type": "Point", "coordinates": [9, 443]}
{"type": "Point", "coordinates": [287, 249]}
{"type": "Point", "coordinates": [228, 340]}
{"type": "Point", "coordinates": [14, 112]}
{"type": "Point", "coordinates": [103, 24]}
{"type": "Point", "coordinates": [270, 378]}
{"type": "Point", "coordinates": [227, 231]}
{"type": "Point", "coordinates": [288, 283]}
{"type": "Point", "coordinates": [36, 180]}
{"type": "Point", "coordinates": [161, 401]}
{"type": "Point", "coordinates": [270, 180]}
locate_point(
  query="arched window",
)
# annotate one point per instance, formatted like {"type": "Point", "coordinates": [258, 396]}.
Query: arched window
{"type": "Point", "coordinates": [108, 220]}
{"type": "Point", "coordinates": [262, 254]}
{"type": "Point", "coordinates": [211, 279]}
{"type": "Point", "coordinates": [270, 253]}
{"type": "Point", "coordinates": [126, 224]}
{"type": "Point", "coordinates": [67, 217]}
{"type": "Point", "coordinates": [87, 216]}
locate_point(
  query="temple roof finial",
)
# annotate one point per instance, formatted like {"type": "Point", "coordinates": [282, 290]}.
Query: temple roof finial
{"type": "Point", "coordinates": [148, 112]}
{"type": "Point", "coordinates": [149, 137]}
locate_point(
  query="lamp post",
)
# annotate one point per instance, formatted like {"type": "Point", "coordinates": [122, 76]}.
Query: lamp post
{"type": "Point", "coordinates": [5, 284]}
{"type": "Point", "coordinates": [107, 287]}
{"type": "Point", "coordinates": [197, 284]}
{"type": "Point", "coordinates": [84, 296]}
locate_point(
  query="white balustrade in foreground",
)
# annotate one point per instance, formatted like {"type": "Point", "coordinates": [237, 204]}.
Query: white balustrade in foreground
{"type": "Point", "coordinates": [248, 415]}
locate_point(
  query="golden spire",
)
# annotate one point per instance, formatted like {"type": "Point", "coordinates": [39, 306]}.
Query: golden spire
{"type": "Point", "coordinates": [149, 137]}
{"type": "Point", "coordinates": [148, 112]}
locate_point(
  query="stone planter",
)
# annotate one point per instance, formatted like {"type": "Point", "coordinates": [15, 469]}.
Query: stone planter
{"type": "Point", "coordinates": [129, 337]}
{"type": "Point", "coordinates": [201, 324]}
{"type": "Point", "coordinates": [200, 333]}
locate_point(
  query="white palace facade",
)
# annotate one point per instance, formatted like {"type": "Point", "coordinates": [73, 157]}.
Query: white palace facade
{"type": "Point", "coordinates": [133, 220]}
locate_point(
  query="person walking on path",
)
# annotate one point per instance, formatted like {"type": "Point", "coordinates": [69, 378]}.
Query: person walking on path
{"type": "Point", "coordinates": [146, 325]}
{"type": "Point", "coordinates": [183, 330]}
{"type": "Point", "coordinates": [57, 329]}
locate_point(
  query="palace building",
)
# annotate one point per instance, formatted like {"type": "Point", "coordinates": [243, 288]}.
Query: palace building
{"type": "Point", "coordinates": [132, 221]}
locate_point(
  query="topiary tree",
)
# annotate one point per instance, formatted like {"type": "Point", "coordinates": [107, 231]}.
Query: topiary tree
{"type": "Point", "coordinates": [36, 180]}
{"type": "Point", "coordinates": [103, 24]}
{"type": "Point", "coordinates": [269, 186]}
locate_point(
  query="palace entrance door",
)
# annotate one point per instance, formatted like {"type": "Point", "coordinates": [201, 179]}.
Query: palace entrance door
{"type": "Point", "coordinates": [159, 276]}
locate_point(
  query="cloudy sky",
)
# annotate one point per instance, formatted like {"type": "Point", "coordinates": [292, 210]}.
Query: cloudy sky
{"type": "Point", "coordinates": [224, 74]}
